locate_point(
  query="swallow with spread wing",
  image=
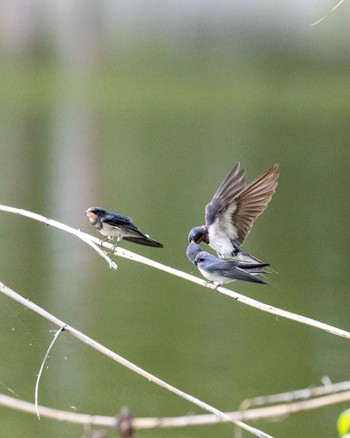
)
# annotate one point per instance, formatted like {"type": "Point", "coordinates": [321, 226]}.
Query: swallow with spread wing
{"type": "Point", "coordinates": [231, 213]}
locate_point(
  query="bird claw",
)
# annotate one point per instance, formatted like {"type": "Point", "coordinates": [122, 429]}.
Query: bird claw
{"type": "Point", "coordinates": [212, 285]}
{"type": "Point", "coordinates": [103, 241]}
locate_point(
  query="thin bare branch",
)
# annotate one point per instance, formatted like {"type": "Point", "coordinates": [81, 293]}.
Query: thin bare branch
{"type": "Point", "coordinates": [83, 236]}
{"type": "Point", "coordinates": [132, 256]}
{"type": "Point", "coordinates": [87, 239]}
{"type": "Point", "coordinates": [117, 358]}
{"type": "Point", "coordinates": [41, 370]}
{"type": "Point", "coordinates": [264, 413]}
{"type": "Point", "coordinates": [235, 295]}
{"type": "Point", "coordinates": [300, 394]}
{"type": "Point", "coordinates": [329, 13]}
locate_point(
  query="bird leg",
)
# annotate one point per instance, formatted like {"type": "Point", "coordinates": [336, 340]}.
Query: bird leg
{"type": "Point", "coordinates": [116, 244]}
{"type": "Point", "coordinates": [107, 239]}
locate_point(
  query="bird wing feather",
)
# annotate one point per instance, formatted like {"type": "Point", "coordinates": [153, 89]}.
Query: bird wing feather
{"type": "Point", "coordinates": [231, 186]}
{"type": "Point", "coordinates": [231, 269]}
{"type": "Point", "coordinates": [253, 201]}
{"type": "Point", "coordinates": [123, 222]}
{"type": "Point", "coordinates": [237, 216]}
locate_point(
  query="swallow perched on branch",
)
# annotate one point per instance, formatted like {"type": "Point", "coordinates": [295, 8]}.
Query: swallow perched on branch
{"type": "Point", "coordinates": [220, 271]}
{"type": "Point", "coordinates": [113, 225]}
{"type": "Point", "coordinates": [231, 213]}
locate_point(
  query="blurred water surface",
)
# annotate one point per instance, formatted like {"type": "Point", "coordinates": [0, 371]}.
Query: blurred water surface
{"type": "Point", "coordinates": [147, 122]}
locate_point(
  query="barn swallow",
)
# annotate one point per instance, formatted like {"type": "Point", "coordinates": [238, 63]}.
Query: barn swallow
{"type": "Point", "coordinates": [219, 271]}
{"type": "Point", "coordinates": [113, 225]}
{"type": "Point", "coordinates": [231, 213]}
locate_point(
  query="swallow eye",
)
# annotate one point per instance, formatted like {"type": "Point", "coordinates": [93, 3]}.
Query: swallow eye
{"type": "Point", "coordinates": [196, 235]}
{"type": "Point", "coordinates": [191, 237]}
{"type": "Point", "coordinates": [199, 260]}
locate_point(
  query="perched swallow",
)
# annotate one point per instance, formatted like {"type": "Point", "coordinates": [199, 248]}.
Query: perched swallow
{"type": "Point", "coordinates": [231, 213]}
{"type": "Point", "coordinates": [221, 271]}
{"type": "Point", "coordinates": [113, 225]}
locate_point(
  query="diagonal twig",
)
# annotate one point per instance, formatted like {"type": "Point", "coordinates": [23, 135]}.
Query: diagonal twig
{"type": "Point", "coordinates": [328, 14]}
{"type": "Point", "coordinates": [83, 236]}
{"type": "Point", "coordinates": [117, 358]}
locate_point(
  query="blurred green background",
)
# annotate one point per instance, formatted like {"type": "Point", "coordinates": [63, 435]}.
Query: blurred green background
{"type": "Point", "coordinates": [142, 108]}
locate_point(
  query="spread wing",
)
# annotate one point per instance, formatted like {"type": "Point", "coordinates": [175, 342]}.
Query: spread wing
{"type": "Point", "coordinates": [237, 216]}
{"type": "Point", "coordinates": [231, 186]}
{"type": "Point", "coordinates": [253, 201]}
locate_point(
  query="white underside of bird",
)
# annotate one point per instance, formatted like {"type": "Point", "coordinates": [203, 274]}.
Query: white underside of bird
{"type": "Point", "coordinates": [220, 241]}
{"type": "Point", "coordinates": [217, 279]}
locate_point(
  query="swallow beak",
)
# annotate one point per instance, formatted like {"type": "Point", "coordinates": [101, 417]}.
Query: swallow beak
{"type": "Point", "coordinates": [201, 239]}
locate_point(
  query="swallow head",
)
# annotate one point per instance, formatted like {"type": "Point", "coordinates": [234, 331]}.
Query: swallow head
{"type": "Point", "coordinates": [94, 214]}
{"type": "Point", "coordinates": [192, 252]}
{"type": "Point", "coordinates": [97, 211]}
{"type": "Point", "coordinates": [198, 235]}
